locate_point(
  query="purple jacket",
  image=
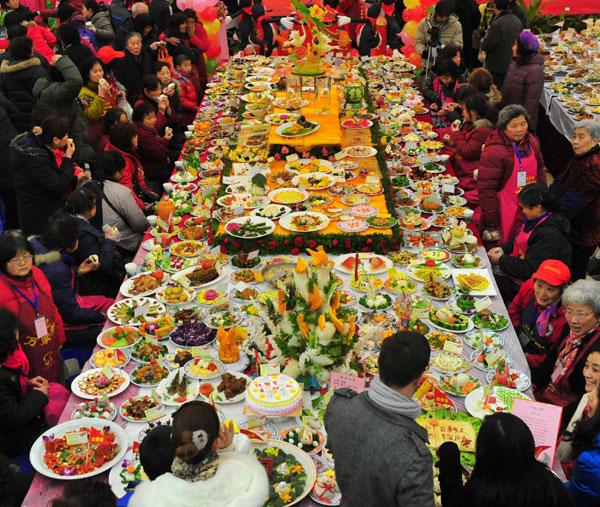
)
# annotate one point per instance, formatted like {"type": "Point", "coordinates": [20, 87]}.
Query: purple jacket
{"type": "Point", "coordinates": [523, 85]}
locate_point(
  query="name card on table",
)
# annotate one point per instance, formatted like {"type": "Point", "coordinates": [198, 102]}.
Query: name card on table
{"type": "Point", "coordinates": [339, 381]}
{"type": "Point", "coordinates": [253, 255]}
{"type": "Point", "coordinates": [107, 371]}
{"type": "Point", "coordinates": [241, 286]}
{"type": "Point", "coordinates": [200, 352]}
{"type": "Point", "coordinates": [215, 250]}
{"type": "Point", "coordinates": [311, 422]}
{"type": "Point", "coordinates": [410, 146]}
{"type": "Point", "coordinates": [372, 180]}
{"type": "Point", "coordinates": [340, 155]}
{"type": "Point", "coordinates": [544, 422]}
{"type": "Point", "coordinates": [141, 310]}
{"type": "Point", "coordinates": [270, 369]}
{"type": "Point", "coordinates": [424, 159]}
{"type": "Point", "coordinates": [154, 413]}
{"type": "Point", "coordinates": [220, 142]}
{"type": "Point", "coordinates": [454, 347]}
{"type": "Point", "coordinates": [482, 304]}
{"type": "Point", "coordinates": [293, 157]}
{"type": "Point", "coordinates": [162, 224]}
{"type": "Point", "coordinates": [77, 438]}
{"type": "Point", "coordinates": [448, 189]}
{"type": "Point", "coordinates": [492, 358]}
{"type": "Point", "coordinates": [256, 421]}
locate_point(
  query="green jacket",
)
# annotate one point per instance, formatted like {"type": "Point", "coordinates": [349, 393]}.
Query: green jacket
{"type": "Point", "coordinates": [61, 95]}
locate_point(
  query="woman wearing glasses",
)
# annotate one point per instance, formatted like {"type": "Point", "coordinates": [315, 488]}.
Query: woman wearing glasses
{"type": "Point", "coordinates": [25, 291]}
{"type": "Point", "coordinates": [559, 379]}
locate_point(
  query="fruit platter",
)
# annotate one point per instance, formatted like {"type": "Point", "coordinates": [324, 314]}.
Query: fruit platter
{"type": "Point", "coordinates": [508, 377]}
{"type": "Point", "coordinates": [368, 263]}
{"type": "Point", "coordinates": [114, 358]}
{"type": "Point", "coordinates": [501, 399]}
{"type": "Point", "coordinates": [203, 368]}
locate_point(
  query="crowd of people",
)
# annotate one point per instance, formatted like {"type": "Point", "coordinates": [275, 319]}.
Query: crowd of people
{"type": "Point", "coordinates": [93, 114]}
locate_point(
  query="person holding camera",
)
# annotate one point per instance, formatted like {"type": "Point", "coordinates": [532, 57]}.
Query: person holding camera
{"type": "Point", "coordinates": [437, 30]}
{"type": "Point", "coordinates": [499, 41]}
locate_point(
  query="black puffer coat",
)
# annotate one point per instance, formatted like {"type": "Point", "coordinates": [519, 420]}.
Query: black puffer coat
{"type": "Point", "coordinates": [8, 112]}
{"type": "Point", "coordinates": [17, 78]}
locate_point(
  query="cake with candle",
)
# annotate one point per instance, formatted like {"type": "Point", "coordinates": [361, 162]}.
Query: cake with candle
{"type": "Point", "coordinates": [273, 395]}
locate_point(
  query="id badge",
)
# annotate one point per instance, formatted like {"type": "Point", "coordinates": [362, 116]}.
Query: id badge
{"type": "Point", "coordinates": [556, 373]}
{"type": "Point", "coordinates": [40, 326]}
{"type": "Point", "coordinates": [521, 179]}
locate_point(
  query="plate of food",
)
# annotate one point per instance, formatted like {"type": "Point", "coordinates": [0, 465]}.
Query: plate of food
{"type": "Point", "coordinates": [314, 181]}
{"type": "Point", "coordinates": [423, 271]}
{"type": "Point", "coordinates": [192, 334]}
{"type": "Point", "coordinates": [379, 302]}
{"type": "Point", "coordinates": [292, 104]}
{"type": "Point", "coordinates": [230, 387]}
{"type": "Point", "coordinates": [135, 311]}
{"type": "Point", "coordinates": [300, 127]}
{"type": "Point", "coordinates": [477, 281]}
{"type": "Point", "coordinates": [113, 357]}
{"type": "Point", "coordinates": [304, 221]}
{"type": "Point", "coordinates": [309, 440]}
{"type": "Point", "coordinates": [66, 451]}
{"type": "Point", "coordinates": [360, 151]}
{"type": "Point", "coordinates": [459, 384]}
{"type": "Point", "coordinates": [437, 289]}
{"type": "Point", "coordinates": [125, 476]}
{"type": "Point", "coordinates": [486, 359]}
{"type": "Point", "coordinates": [463, 303]}
{"type": "Point", "coordinates": [251, 227]}
{"type": "Point", "coordinates": [501, 399]}
{"type": "Point", "coordinates": [480, 339]}
{"type": "Point", "coordinates": [381, 222]}
{"type": "Point", "coordinates": [288, 195]}
{"type": "Point", "coordinates": [326, 490]}
{"type": "Point", "coordinates": [507, 377]}
{"type": "Point", "coordinates": [446, 319]}
{"type": "Point", "coordinates": [149, 374]}
{"type": "Point", "coordinates": [448, 362]}
{"type": "Point", "coordinates": [402, 257]}
{"type": "Point", "coordinates": [222, 319]}
{"type": "Point", "coordinates": [413, 221]}
{"type": "Point", "coordinates": [400, 284]}
{"type": "Point", "coordinates": [467, 261]}
{"type": "Point", "coordinates": [271, 211]}
{"type": "Point", "coordinates": [146, 351]}
{"type": "Point", "coordinates": [489, 320]}
{"type": "Point", "coordinates": [94, 383]}
{"type": "Point", "coordinates": [353, 225]}
{"type": "Point", "coordinates": [134, 409]}
{"type": "Point", "coordinates": [186, 249]}
{"type": "Point", "coordinates": [370, 189]}
{"type": "Point", "coordinates": [364, 281]}
{"type": "Point", "coordinates": [293, 471]}
{"type": "Point", "coordinates": [355, 199]}
{"type": "Point", "coordinates": [204, 368]}
{"type": "Point", "coordinates": [206, 273]}
{"type": "Point", "coordinates": [369, 263]}
{"type": "Point", "coordinates": [434, 254]}
{"type": "Point", "coordinates": [356, 123]}
{"type": "Point", "coordinates": [437, 339]}
{"type": "Point", "coordinates": [309, 166]}
{"type": "Point", "coordinates": [118, 337]}
{"type": "Point", "coordinates": [177, 388]}
{"type": "Point", "coordinates": [98, 408]}
{"type": "Point", "coordinates": [143, 284]}
{"type": "Point", "coordinates": [384, 320]}
{"type": "Point", "coordinates": [281, 118]}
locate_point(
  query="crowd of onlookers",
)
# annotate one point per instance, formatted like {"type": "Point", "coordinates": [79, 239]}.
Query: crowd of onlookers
{"type": "Point", "coordinates": [93, 114]}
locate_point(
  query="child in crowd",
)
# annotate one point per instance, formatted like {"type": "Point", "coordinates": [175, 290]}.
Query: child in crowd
{"type": "Point", "coordinates": [187, 80]}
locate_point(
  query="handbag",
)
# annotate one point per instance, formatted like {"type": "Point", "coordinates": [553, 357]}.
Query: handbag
{"type": "Point", "coordinates": [164, 56]}
{"type": "Point", "coordinates": [142, 193]}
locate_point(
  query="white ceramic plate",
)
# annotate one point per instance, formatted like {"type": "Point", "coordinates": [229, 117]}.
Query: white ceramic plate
{"type": "Point", "coordinates": [490, 290]}
{"type": "Point", "coordinates": [364, 263]}
{"type": "Point", "coordinates": [287, 125]}
{"type": "Point", "coordinates": [128, 285]}
{"type": "Point", "coordinates": [220, 397]}
{"type": "Point", "coordinates": [286, 221]}
{"type": "Point", "coordinates": [250, 220]}
{"type": "Point", "coordinates": [76, 390]}
{"type": "Point", "coordinates": [191, 393]}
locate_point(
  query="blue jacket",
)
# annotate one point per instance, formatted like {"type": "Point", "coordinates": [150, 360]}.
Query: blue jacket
{"type": "Point", "coordinates": [60, 270]}
{"type": "Point", "coordinates": [584, 486]}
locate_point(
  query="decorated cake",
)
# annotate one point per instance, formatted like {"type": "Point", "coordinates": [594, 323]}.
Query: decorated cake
{"type": "Point", "coordinates": [273, 395]}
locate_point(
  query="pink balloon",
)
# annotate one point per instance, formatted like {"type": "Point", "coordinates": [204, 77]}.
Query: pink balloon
{"type": "Point", "coordinates": [406, 39]}
{"type": "Point", "coordinates": [184, 4]}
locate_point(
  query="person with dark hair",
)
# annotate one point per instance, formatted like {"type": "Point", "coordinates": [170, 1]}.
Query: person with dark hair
{"type": "Point", "coordinates": [543, 235]}
{"type": "Point", "coordinates": [232, 477]}
{"type": "Point", "coordinates": [25, 291]}
{"type": "Point", "coordinates": [86, 492]}
{"type": "Point", "coordinates": [98, 96]}
{"type": "Point", "coordinates": [199, 43]}
{"type": "Point", "coordinates": [102, 27]}
{"type": "Point", "coordinates": [483, 80]}
{"type": "Point", "coordinates": [81, 204]}
{"type": "Point", "coordinates": [143, 25]}
{"type": "Point", "coordinates": [469, 17]}
{"type": "Point", "coordinates": [177, 37]}
{"type": "Point", "coordinates": [185, 77]}
{"type": "Point", "coordinates": [157, 452]}
{"type": "Point", "coordinates": [153, 150]}
{"type": "Point", "coordinates": [40, 182]}
{"type": "Point", "coordinates": [15, 6]}
{"type": "Point", "coordinates": [18, 75]}
{"type": "Point", "coordinates": [13, 485]}
{"type": "Point", "coordinates": [59, 90]}
{"type": "Point", "coordinates": [8, 111]}
{"type": "Point", "coordinates": [584, 485]}
{"type": "Point", "coordinates": [113, 116]}
{"type": "Point", "coordinates": [43, 39]}
{"type": "Point", "coordinates": [506, 470]}
{"type": "Point", "coordinates": [152, 94]}
{"type": "Point", "coordinates": [443, 85]}
{"type": "Point", "coordinates": [524, 80]}
{"type": "Point", "coordinates": [537, 312]}
{"type": "Point", "coordinates": [160, 12]}
{"type": "Point", "coordinates": [391, 458]}
{"type": "Point", "coordinates": [18, 30]}
{"type": "Point", "coordinates": [468, 141]}
{"type": "Point", "coordinates": [119, 208]}
{"type": "Point", "coordinates": [124, 139]}
{"type": "Point", "coordinates": [441, 26]}
{"type": "Point", "coordinates": [169, 86]}
{"type": "Point", "coordinates": [510, 160]}
{"type": "Point", "coordinates": [499, 41]}
{"type": "Point", "coordinates": [83, 316]}
{"type": "Point", "coordinates": [578, 188]}
{"type": "Point", "coordinates": [133, 67]}
{"type": "Point", "coordinates": [72, 45]}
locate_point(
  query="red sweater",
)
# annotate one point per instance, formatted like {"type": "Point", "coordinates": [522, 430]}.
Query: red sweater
{"type": "Point", "coordinates": [152, 150]}
{"type": "Point", "coordinates": [43, 40]}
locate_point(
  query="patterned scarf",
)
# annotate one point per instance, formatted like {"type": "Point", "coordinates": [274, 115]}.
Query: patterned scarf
{"type": "Point", "coordinates": [202, 471]}
{"type": "Point", "coordinates": [543, 320]}
{"type": "Point", "coordinates": [569, 353]}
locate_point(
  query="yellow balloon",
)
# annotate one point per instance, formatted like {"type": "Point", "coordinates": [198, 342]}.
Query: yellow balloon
{"type": "Point", "coordinates": [410, 28]}
{"type": "Point", "coordinates": [411, 4]}
{"type": "Point", "coordinates": [212, 26]}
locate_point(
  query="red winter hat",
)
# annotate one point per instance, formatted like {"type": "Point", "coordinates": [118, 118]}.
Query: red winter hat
{"type": "Point", "coordinates": [108, 54]}
{"type": "Point", "coordinates": [553, 272]}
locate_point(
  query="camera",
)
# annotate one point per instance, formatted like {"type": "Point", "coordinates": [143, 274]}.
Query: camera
{"type": "Point", "coordinates": [434, 41]}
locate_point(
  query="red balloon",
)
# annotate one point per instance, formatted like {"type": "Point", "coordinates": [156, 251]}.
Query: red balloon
{"type": "Point", "coordinates": [415, 59]}
{"type": "Point", "coordinates": [415, 14]}
{"type": "Point", "coordinates": [408, 50]}
{"type": "Point", "coordinates": [209, 14]}
{"type": "Point", "coordinates": [406, 15]}
{"type": "Point", "coordinates": [214, 50]}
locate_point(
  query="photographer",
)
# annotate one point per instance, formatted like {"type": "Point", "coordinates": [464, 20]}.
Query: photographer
{"type": "Point", "coordinates": [437, 30]}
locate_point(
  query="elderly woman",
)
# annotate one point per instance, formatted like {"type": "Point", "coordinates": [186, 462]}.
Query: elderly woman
{"type": "Point", "coordinates": [537, 312]}
{"type": "Point", "coordinates": [524, 81]}
{"type": "Point", "coordinates": [510, 160]}
{"type": "Point", "coordinates": [559, 379]}
{"type": "Point", "coordinates": [133, 67]}
{"type": "Point", "coordinates": [578, 189]}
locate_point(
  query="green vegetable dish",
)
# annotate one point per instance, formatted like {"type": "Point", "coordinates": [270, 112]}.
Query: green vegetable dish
{"type": "Point", "coordinates": [287, 480]}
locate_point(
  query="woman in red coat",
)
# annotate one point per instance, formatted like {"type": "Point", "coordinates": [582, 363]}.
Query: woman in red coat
{"type": "Point", "coordinates": [25, 291]}
{"type": "Point", "coordinates": [198, 41]}
{"type": "Point", "coordinates": [124, 139]}
{"type": "Point", "coordinates": [480, 118]}
{"type": "Point", "coordinates": [510, 160]}
{"type": "Point", "coordinates": [152, 149]}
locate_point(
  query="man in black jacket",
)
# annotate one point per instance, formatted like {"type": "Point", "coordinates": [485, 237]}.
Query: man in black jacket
{"type": "Point", "coordinates": [160, 12]}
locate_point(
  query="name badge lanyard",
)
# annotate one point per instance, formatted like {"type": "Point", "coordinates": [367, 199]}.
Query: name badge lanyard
{"type": "Point", "coordinates": [33, 303]}
{"type": "Point", "coordinates": [519, 156]}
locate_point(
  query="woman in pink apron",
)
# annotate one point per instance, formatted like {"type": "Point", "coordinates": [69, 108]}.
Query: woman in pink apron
{"type": "Point", "coordinates": [510, 160]}
{"type": "Point", "coordinates": [543, 235]}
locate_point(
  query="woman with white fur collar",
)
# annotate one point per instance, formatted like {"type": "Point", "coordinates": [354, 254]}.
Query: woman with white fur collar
{"type": "Point", "coordinates": [199, 476]}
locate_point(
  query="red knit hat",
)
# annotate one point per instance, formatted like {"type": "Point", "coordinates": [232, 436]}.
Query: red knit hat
{"type": "Point", "coordinates": [553, 272]}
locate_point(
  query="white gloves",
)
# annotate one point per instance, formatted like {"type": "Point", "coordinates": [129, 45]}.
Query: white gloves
{"type": "Point", "coordinates": [343, 20]}
{"type": "Point", "coordinates": [288, 22]}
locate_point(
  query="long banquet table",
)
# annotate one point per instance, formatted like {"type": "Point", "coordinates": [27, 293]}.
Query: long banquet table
{"type": "Point", "coordinates": [43, 489]}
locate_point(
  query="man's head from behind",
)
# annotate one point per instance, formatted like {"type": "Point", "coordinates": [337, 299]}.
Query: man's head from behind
{"type": "Point", "coordinates": [501, 5]}
{"type": "Point", "coordinates": [157, 452]}
{"type": "Point", "coordinates": [403, 358]}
